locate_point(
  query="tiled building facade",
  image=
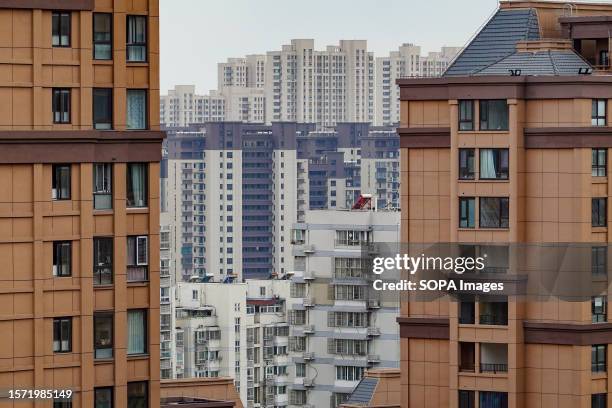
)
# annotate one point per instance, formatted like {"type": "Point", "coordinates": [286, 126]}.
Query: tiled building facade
{"type": "Point", "coordinates": [79, 209]}
{"type": "Point", "coordinates": [510, 146]}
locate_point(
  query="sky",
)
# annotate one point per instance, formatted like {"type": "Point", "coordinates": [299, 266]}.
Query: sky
{"type": "Point", "coordinates": [197, 34]}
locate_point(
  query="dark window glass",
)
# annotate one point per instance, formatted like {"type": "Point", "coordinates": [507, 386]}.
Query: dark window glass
{"type": "Point", "coordinates": [103, 397]}
{"type": "Point", "coordinates": [598, 212]}
{"type": "Point", "coordinates": [137, 331]}
{"type": "Point", "coordinates": [103, 36]}
{"type": "Point", "coordinates": [494, 114]}
{"type": "Point", "coordinates": [494, 164]}
{"type": "Point", "coordinates": [62, 258]}
{"type": "Point", "coordinates": [598, 112]}
{"type": "Point", "coordinates": [467, 357]}
{"type": "Point", "coordinates": [61, 105]}
{"type": "Point", "coordinates": [494, 212]}
{"type": "Point", "coordinates": [599, 307]}
{"type": "Point", "coordinates": [62, 334]}
{"type": "Point", "coordinates": [103, 261]}
{"type": "Point", "coordinates": [598, 358]}
{"type": "Point", "coordinates": [103, 108]}
{"type": "Point", "coordinates": [467, 210]}
{"type": "Point", "coordinates": [103, 335]}
{"type": "Point", "coordinates": [138, 393]}
{"type": "Point", "coordinates": [103, 186]}
{"type": "Point", "coordinates": [137, 185]}
{"type": "Point", "coordinates": [62, 402]}
{"type": "Point", "coordinates": [599, 401]}
{"type": "Point", "coordinates": [493, 313]}
{"type": "Point", "coordinates": [136, 38]}
{"type": "Point", "coordinates": [490, 399]}
{"type": "Point", "coordinates": [60, 185]}
{"type": "Point", "coordinates": [60, 29]}
{"type": "Point", "coordinates": [466, 115]}
{"type": "Point", "coordinates": [467, 399]}
{"type": "Point", "coordinates": [599, 161]}
{"type": "Point", "coordinates": [136, 109]}
{"type": "Point", "coordinates": [467, 312]}
{"type": "Point", "coordinates": [604, 58]}
{"type": "Point", "coordinates": [599, 260]}
{"type": "Point", "coordinates": [466, 164]}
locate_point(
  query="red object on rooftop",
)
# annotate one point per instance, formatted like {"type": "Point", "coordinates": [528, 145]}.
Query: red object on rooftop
{"type": "Point", "coordinates": [364, 201]}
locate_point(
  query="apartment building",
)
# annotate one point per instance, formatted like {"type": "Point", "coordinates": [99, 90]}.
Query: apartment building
{"type": "Point", "coordinates": [182, 106]}
{"type": "Point", "coordinates": [510, 147]}
{"type": "Point", "coordinates": [406, 62]}
{"type": "Point", "coordinates": [247, 72]}
{"type": "Point", "coordinates": [339, 326]}
{"type": "Point", "coordinates": [167, 288]}
{"type": "Point", "coordinates": [247, 182]}
{"type": "Point", "coordinates": [80, 148]}
{"type": "Point", "coordinates": [323, 87]}
{"type": "Point", "coordinates": [235, 330]}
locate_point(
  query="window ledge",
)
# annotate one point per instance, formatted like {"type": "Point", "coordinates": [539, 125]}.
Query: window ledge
{"type": "Point", "coordinates": [599, 180]}
{"type": "Point", "coordinates": [137, 210]}
{"type": "Point", "coordinates": [599, 229]}
{"type": "Point", "coordinates": [598, 375]}
{"type": "Point", "coordinates": [103, 212]}
{"type": "Point", "coordinates": [104, 287]}
{"type": "Point", "coordinates": [144, 356]}
{"type": "Point", "coordinates": [103, 360]}
{"type": "Point", "coordinates": [138, 283]}
{"type": "Point", "coordinates": [102, 62]}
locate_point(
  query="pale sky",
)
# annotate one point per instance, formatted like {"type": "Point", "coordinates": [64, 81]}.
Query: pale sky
{"type": "Point", "coordinates": [197, 34]}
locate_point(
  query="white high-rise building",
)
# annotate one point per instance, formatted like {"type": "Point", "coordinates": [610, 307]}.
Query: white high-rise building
{"type": "Point", "coordinates": [247, 72]}
{"type": "Point", "coordinates": [407, 61]}
{"type": "Point", "coordinates": [323, 87]}
{"type": "Point", "coordinates": [237, 330]}
{"type": "Point", "coordinates": [339, 326]}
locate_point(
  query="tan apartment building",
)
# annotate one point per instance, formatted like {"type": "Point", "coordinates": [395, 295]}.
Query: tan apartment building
{"type": "Point", "coordinates": [79, 202]}
{"type": "Point", "coordinates": [511, 146]}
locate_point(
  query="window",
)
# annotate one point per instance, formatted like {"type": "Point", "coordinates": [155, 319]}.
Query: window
{"type": "Point", "coordinates": [598, 212]}
{"type": "Point", "coordinates": [467, 312]}
{"type": "Point", "coordinates": [494, 212]}
{"type": "Point", "coordinates": [494, 164]}
{"type": "Point", "coordinates": [598, 358]}
{"type": "Point", "coordinates": [61, 105]}
{"type": "Point", "coordinates": [599, 260]}
{"type": "Point", "coordinates": [490, 399]}
{"type": "Point", "coordinates": [466, 164]}
{"type": "Point", "coordinates": [136, 38]}
{"type": "Point", "coordinates": [60, 185]}
{"type": "Point", "coordinates": [599, 309]}
{"type": "Point", "coordinates": [62, 334]}
{"type": "Point", "coordinates": [598, 112]}
{"type": "Point", "coordinates": [467, 210]}
{"type": "Point", "coordinates": [353, 238]}
{"type": "Point", "coordinates": [300, 370]}
{"type": "Point", "coordinates": [599, 161]}
{"type": "Point", "coordinates": [137, 331]}
{"type": "Point", "coordinates": [103, 36]}
{"type": "Point", "coordinates": [136, 109]}
{"type": "Point", "coordinates": [466, 399]}
{"type": "Point", "coordinates": [60, 29]}
{"type": "Point", "coordinates": [62, 260]}
{"type": "Point", "coordinates": [103, 397]}
{"type": "Point", "coordinates": [137, 185]}
{"type": "Point", "coordinates": [62, 402]}
{"type": "Point", "coordinates": [137, 394]}
{"type": "Point", "coordinates": [493, 114]}
{"type": "Point", "coordinates": [349, 373]}
{"type": "Point", "coordinates": [466, 115]}
{"type": "Point", "coordinates": [103, 261]}
{"type": "Point", "coordinates": [599, 401]}
{"type": "Point", "coordinates": [137, 258]}
{"type": "Point", "coordinates": [102, 186]}
{"type": "Point", "coordinates": [103, 108]}
{"type": "Point", "coordinates": [103, 335]}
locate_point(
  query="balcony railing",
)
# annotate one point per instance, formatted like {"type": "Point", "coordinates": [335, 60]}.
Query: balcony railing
{"type": "Point", "coordinates": [493, 368]}
{"type": "Point", "coordinates": [494, 319]}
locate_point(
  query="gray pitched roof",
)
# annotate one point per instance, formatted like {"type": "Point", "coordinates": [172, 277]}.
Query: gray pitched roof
{"type": "Point", "coordinates": [496, 40]}
{"type": "Point", "coordinates": [362, 394]}
{"type": "Point", "coordinates": [539, 63]}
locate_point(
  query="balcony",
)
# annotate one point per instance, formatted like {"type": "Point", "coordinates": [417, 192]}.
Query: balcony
{"type": "Point", "coordinates": [493, 313]}
{"type": "Point", "coordinates": [493, 358]}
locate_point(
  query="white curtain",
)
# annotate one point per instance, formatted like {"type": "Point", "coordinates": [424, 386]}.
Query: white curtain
{"type": "Point", "coordinates": [136, 332]}
{"type": "Point", "coordinates": [136, 109]}
{"type": "Point", "coordinates": [487, 164]}
{"type": "Point", "coordinates": [137, 179]}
